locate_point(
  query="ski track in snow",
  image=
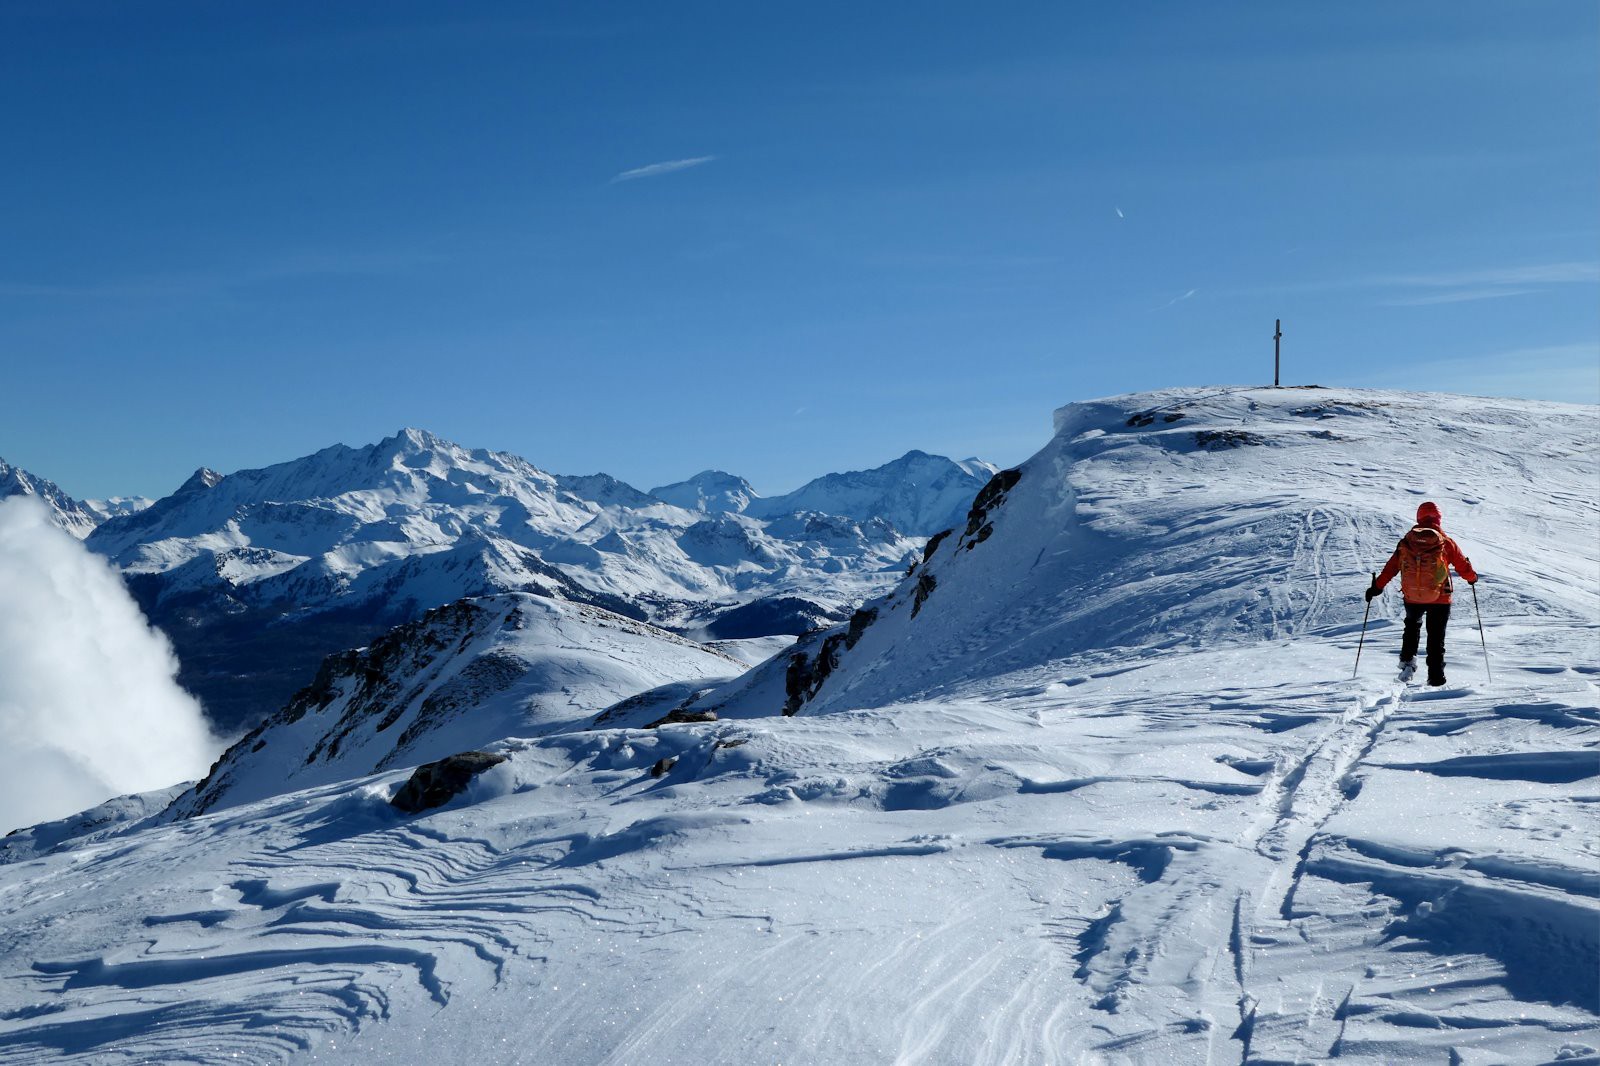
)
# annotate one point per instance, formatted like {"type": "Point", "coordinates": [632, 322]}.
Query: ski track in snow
{"type": "Point", "coordinates": [1221, 852]}
{"type": "Point", "coordinates": [1262, 915]}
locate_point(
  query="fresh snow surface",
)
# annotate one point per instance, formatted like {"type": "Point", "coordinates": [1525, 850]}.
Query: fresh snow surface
{"type": "Point", "coordinates": [1111, 796]}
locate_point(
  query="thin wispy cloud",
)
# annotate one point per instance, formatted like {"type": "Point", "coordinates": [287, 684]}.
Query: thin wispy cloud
{"type": "Point", "coordinates": [1467, 286]}
{"type": "Point", "coordinates": [1424, 289]}
{"type": "Point", "coordinates": [1503, 277]}
{"type": "Point", "coordinates": [655, 170]}
{"type": "Point", "coordinates": [1452, 296]}
{"type": "Point", "coordinates": [1118, 210]}
{"type": "Point", "coordinates": [1180, 298]}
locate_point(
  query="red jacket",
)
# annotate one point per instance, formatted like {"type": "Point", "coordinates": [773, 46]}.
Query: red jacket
{"type": "Point", "coordinates": [1423, 560]}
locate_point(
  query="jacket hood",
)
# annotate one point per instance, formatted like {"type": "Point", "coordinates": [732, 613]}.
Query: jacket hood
{"type": "Point", "coordinates": [1425, 538]}
{"type": "Point", "coordinates": [1428, 515]}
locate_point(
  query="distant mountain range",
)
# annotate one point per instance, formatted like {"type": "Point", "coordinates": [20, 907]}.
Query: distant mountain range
{"type": "Point", "coordinates": [256, 575]}
{"type": "Point", "coordinates": [78, 517]}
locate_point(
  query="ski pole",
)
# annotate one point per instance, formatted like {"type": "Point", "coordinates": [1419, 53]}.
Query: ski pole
{"type": "Point", "coordinates": [1487, 672]}
{"type": "Point", "coordinates": [1363, 639]}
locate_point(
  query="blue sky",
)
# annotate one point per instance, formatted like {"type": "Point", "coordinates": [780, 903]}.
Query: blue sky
{"type": "Point", "coordinates": [774, 239]}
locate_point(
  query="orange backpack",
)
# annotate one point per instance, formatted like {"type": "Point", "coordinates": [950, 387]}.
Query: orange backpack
{"type": "Point", "coordinates": [1424, 570]}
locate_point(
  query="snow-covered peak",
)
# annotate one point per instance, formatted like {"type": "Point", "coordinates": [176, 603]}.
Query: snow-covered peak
{"type": "Point", "coordinates": [113, 506]}
{"type": "Point", "coordinates": [605, 490]}
{"type": "Point", "coordinates": [412, 439]}
{"type": "Point", "coordinates": [919, 493]}
{"type": "Point", "coordinates": [71, 515]}
{"type": "Point", "coordinates": [199, 481]}
{"type": "Point", "coordinates": [712, 491]}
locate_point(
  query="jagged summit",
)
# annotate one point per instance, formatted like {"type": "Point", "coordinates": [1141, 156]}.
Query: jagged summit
{"type": "Point", "coordinates": [202, 479]}
{"type": "Point", "coordinates": [415, 438]}
{"type": "Point", "coordinates": [74, 516]}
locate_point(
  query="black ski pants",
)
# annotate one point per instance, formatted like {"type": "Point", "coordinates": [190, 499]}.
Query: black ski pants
{"type": "Point", "coordinates": [1438, 616]}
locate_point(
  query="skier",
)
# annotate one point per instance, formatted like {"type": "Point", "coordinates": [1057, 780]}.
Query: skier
{"type": "Point", "coordinates": [1423, 560]}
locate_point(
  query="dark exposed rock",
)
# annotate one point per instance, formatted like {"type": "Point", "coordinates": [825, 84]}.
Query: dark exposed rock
{"type": "Point", "coordinates": [1144, 418]}
{"type": "Point", "coordinates": [806, 674]}
{"type": "Point", "coordinates": [436, 783]}
{"type": "Point", "coordinates": [992, 495]}
{"type": "Point", "coordinates": [934, 542]}
{"type": "Point", "coordinates": [858, 625]}
{"type": "Point", "coordinates": [926, 583]}
{"type": "Point", "coordinates": [682, 716]}
{"type": "Point", "coordinates": [662, 766]}
{"type": "Point", "coordinates": [1217, 439]}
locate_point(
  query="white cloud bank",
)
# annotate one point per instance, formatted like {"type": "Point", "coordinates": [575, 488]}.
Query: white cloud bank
{"type": "Point", "coordinates": [89, 707]}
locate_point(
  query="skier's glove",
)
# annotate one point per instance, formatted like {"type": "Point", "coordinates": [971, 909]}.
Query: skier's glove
{"type": "Point", "coordinates": [1373, 592]}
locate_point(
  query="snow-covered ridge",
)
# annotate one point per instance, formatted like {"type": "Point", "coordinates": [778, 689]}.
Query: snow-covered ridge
{"type": "Point", "coordinates": [77, 517]}
{"type": "Point", "coordinates": [919, 494]}
{"type": "Point", "coordinates": [463, 676]}
{"type": "Point", "coordinates": [1192, 518]}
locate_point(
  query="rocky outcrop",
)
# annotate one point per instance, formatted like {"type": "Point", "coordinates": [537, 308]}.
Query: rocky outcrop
{"type": "Point", "coordinates": [979, 527]}
{"type": "Point", "coordinates": [436, 783]}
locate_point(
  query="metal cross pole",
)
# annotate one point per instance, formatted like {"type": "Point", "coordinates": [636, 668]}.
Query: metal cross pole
{"type": "Point", "coordinates": [1277, 338]}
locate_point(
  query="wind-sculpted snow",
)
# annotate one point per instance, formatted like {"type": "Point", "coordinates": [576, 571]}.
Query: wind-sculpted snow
{"type": "Point", "coordinates": [1204, 843]}
{"type": "Point", "coordinates": [1068, 863]}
